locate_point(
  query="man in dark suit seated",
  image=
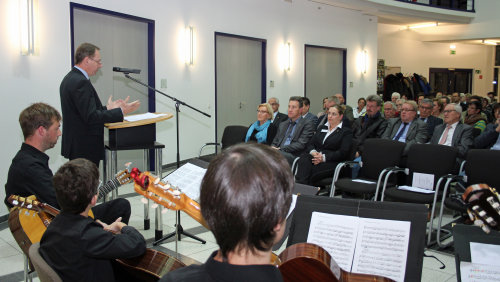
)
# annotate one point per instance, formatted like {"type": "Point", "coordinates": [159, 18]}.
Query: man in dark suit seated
{"type": "Point", "coordinates": [452, 132]}
{"type": "Point", "coordinates": [425, 108]}
{"type": "Point", "coordinates": [305, 111]}
{"type": "Point", "coordinates": [74, 245]}
{"type": "Point", "coordinates": [293, 135]}
{"type": "Point", "coordinates": [331, 101]}
{"type": "Point", "coordinates": [277, 117]}
{"type": "Point", "coordinates": [348, 113]}
{"type": "Point", "coordinates": [490, 139]}
{"type": "Point", "coordinates": [407, 128]}
{"type": "Point", "coordinates": [84, 115]}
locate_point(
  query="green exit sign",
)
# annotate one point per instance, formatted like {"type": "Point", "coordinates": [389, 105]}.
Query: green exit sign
{"type": "Point", "coordinates": [453, 52]}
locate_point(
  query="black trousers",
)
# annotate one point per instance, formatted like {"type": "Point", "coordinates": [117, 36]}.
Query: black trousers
{"type": "Point", "coordinates": [108, 212]}
{"type": "Point", "coordinates": [308, 173]}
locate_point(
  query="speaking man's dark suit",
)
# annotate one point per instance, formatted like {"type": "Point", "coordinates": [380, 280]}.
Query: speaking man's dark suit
{"type": "Point", "coordinates": [488, 138]}
{"type": "Point", "coordinates": [336, 148]}
{"type": "Point", "coordinates": [304, 130]}
{"type": "Point", "coordinates": [312, 117]}
{"type": "Point", "coordinates": [83, 117]}
{"type": "Point", "coordinates": [432, 122]}
{"type": "Point", "coordinates": [280, 117]}
{"type": "Point", "coordinates": [462, 138]}
{"type": "Point", "coordinates": [417, 133]}
{"type": "Point", "coordinates": [367, 127]}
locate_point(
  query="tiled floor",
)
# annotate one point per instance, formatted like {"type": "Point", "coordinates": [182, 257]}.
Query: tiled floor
{"type": "Point", "coordinates": [190, 251]}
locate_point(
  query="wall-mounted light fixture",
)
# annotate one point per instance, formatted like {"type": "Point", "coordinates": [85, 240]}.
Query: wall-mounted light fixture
{"type": "Point", "coordinates": [27, 17]}
{"type": "Point", "coordinates": [423, 25]}
{"type": "Point", "coordinates": [363, 61]}
{"type": "Point", "coordinates": [189, 46]}
{"type": "Point", "coordinates": [489, 42]}
{"type": "Point", "coordinates": [286, 56]}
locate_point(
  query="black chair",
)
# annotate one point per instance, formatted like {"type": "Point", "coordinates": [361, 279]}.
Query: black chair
{"type": "Point", "coordinates": [438, 160]}
{"type": "Point", "coordinates": [378, 155]}
{"type": "Point", "coordinates": [481, 166]}
{"type": "Point", "coordinates": [233, 134]}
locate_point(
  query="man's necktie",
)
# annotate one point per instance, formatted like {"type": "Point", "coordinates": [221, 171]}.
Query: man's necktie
{"type": "Point", "coordinates": [445, 135]}
{"type": "Point", "coordinates": [405, 124]}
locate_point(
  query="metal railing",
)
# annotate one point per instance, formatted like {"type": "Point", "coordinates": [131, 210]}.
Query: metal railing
{"type": "Point", "coordinates": [457, 5]}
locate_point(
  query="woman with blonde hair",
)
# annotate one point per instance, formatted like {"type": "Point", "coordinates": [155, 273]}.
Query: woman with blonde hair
{"type": "Point", "coordinates": [262, 131]}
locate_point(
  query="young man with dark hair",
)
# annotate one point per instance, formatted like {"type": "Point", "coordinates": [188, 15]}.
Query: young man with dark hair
{"type": "Point", "coordinates": [29, 174]}
{"type": "Point", "coordinates": [305, 111]}
{"type": "Point", "coordinates": [245, 197]}
{"type": "Point", "coordinates": [74, 245]}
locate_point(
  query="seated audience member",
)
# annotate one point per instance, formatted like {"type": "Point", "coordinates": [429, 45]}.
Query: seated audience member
{"type": "Point", "coordinates": [389, 110]}
{"type": "Point", "coordinates": [293, 135]}
{"type": "Point", "coordinates": [407, 128]}
{"type": "Point", "coordinates": [473, 116]}
{"type": "Point", "coordinates": [455, 98]}
{"type": "Point", "coordinates": [244, 198]}
{"type": "Point", "coordinates": [360, 110]}
{"type": "Point", "coordinates": [320, 114]}
{"type": "Point", "coordinates": [420, 97]}
{"type": "Point", "coordinates": [425, 108]}
{"type": "Point", "coordinates": [326, 149]}
{"type": "Point", "coordinates": [262, 131]}
{"type": "Point", "coordinates": [399, 105]}
{"type": "Point", "coordinates": [372, 125]}
{"type": "Point", "coordinates": [452, 132]}
{"type": "Point", "coordinates": [277, 117]}
{"type": "Point", "coordinates": [437, 108]}
{"type": "Point", "coordinates": [74, 245]}
{"type": "Point", "coordinates": [444, 100]}
{"type": "Point", "coordinates": [348, 112]}
{"type": "Point", "coordinates": [29, 174]}
{"type": "Point", "coordinates": [395, 96]}
{"type": "Point", "coordinates": [332, 101]}
{"type": "Point", "coordinates": [305, 111]}
{"type": "Point", "coordinates": [489, 139]}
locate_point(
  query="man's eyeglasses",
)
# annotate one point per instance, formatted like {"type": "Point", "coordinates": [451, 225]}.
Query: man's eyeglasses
{"type": "Point", "coordinates": [448, 111]}
{"type": "Point", "coordinates": [407, 110]}
{"type": "Point", "coordinates": [425, 108]}
{"type": "Point", "coordinates": [97, 61]}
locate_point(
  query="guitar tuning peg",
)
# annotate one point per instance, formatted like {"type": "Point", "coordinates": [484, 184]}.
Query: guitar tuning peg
{"type": "Point", "coordinates": [144, 200]}
{"type": "Point", "coordinates": [157, 181]}
{"type": "Point", "coordinates": [127, 165]}
{"type": "Point", "coordinates": [163, 211]}
{"type": "Point", "coordinates": [154, 206]}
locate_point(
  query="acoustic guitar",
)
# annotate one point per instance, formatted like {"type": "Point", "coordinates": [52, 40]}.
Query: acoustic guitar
{"type": "Point", "coordinates": [28, 225]}
{"type": "Point", "coordinates": [299, 262]}
{"type": "Point", "coordinates": [483, 206]}
{"type": "Point", "coordinates": [150, 266]}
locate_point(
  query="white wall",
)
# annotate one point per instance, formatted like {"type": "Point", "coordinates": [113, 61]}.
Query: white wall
{"type": "Point", "coordinates": [404, 48]}
{"type": "Point", "coordinates": [31, 79]}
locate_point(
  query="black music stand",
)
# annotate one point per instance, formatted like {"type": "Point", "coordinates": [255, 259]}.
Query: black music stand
{"type": "Point", "coordinates": [178, 227]}
{"type": "Point", "coordinates": [415, 213]}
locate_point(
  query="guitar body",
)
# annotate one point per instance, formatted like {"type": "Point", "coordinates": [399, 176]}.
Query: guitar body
{"type": "Point", "coordinates": [149, 267]}
{"type": "Point", "coordinates": [16, 227]}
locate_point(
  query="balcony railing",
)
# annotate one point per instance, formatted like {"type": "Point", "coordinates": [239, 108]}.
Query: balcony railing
{"type": "Point", "coordinates": [457, 5]}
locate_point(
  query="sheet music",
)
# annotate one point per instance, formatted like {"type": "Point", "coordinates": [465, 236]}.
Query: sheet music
{"type": "Point", "coordinates": [415, 189]}
{"type": "Point", "coordinates": [336, 234]}
{"type": "Point", "coordinates": [188, 178]}
{"type": "Point", "coordinates": [481, 253]}
{"type": "Point", "coordinates": [382, 248]}
{"type": "Point", "coordinates": [143, 116]}
{"type": "Point", "coordinates": [473, 272]}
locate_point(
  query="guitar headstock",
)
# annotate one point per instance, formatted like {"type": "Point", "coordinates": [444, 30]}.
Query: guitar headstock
{"type": "Point", "coordinates": [123, 177]}
{"type": "Point", "coordinates": [161, 193]}
{"type": "Point", "coordinates": [483, 206]}
{"type": "Point", "coordinates": [31, 203]}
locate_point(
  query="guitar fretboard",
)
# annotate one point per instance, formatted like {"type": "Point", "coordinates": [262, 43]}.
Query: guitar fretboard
{"type": "Point", "coordinates": [108, 187]}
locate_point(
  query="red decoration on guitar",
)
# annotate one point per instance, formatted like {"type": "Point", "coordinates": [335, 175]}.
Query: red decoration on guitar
{"type": "Point", "coordinates": [141, 180]}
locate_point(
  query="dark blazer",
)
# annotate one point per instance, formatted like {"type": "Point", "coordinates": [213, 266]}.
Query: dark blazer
{"type": "Point", "coordinates": [324, 119]}
{"type": "Point", "coordinates": [336, 147]}
{"type": "Point", "coordinates": [462, 138]}
{"type": "Point", "coordinates": [280, 117]}
{"type": "Point", "coordinates": [348, 113]}
{"type": "Point", "coordinates": [488, 138]}
{"type": "Point", "coordinates": [304, 130]}
{"type": "Point", "coordinates": [312, 117]}
{"type": "Point", "coordinates": [83, 118]}
{"type": "Point", "coordinates": [432, 122]}
{"type": "Point", "coordinates": [271, 132]}
{"type": "Point", "coordinates": [417, 133]}
{"type": "Point", "coordinates": [374, 128]}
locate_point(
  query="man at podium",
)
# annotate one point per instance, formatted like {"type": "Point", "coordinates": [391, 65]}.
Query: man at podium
{"type": "Point", "coordinates": [82, 111]}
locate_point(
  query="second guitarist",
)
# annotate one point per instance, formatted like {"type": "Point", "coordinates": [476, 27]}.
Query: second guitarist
{"type": "Point", "coordinates": [29, 173]}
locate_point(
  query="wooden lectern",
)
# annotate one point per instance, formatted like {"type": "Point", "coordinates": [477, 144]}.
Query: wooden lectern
{"type": "Point", "coordinates": [135, 135]}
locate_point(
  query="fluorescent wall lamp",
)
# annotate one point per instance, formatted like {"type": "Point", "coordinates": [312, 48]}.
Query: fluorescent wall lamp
{"type": "Point", "coordinates": [27, 26]}
{"type": "Point", "coordinates": [363, 61]}
{"type": "Point", "coordinates": [286, 56]}
{"type": "Point", "coordinates": [423, 25]}
{"type": "Point", "coordinates": [489, 42]}
{"type": "Point", "coordinates": [189, 46]}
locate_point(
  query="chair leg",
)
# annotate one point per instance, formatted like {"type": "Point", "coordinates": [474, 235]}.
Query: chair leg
{"type": "Point", "coordinates": [27, 271]}
{"type": "Point", "coordinates": [438, 234]}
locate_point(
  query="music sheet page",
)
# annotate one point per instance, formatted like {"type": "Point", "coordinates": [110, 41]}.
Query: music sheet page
{"type": "Point", "coordinates": [336, 234]}
{"type": "Point", "coordinates": [188, 178]}
{"type": "Point", "coordinates": [382, 248]}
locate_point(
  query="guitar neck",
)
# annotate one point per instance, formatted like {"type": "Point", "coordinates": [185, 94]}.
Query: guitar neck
{"type": "Point", "coordinates": [108, 187]}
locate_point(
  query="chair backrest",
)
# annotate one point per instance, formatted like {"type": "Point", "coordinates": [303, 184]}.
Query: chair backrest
{"type": "Point", "coordinates": [481, 166]}
{"type": "Point", "coordinates": [379, 154]}
{"type": "Point", "coordinates": [438, 160]}
{"type": "Point", "coordinates": [44, 271]}
{"type": "Point", "coordinates": [233, 134]}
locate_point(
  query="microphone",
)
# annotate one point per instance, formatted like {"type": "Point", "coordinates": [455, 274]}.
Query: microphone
{"type": "Point", "coordinates": [125, 70]}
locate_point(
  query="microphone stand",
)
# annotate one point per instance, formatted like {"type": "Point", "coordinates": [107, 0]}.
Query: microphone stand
{"type": "Point", "coordinates": [178, 227]}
